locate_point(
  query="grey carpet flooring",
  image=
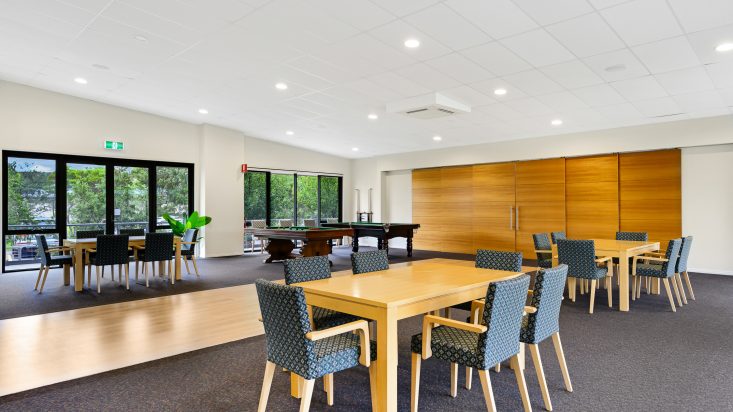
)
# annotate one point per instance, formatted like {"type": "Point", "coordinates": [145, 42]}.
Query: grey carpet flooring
{"type": "Point", "coordinates": [649, 359]}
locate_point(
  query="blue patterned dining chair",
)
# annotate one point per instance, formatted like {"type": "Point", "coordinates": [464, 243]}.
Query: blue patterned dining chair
{"type": "Point", "coordinates": [580, 256]}
{"type": "Point", "coordinates": [158, 248]}
{"type": "Point", "coordinates": [189, 240]}
{"type": "Point", "coordinates": [306, 269]}
{"type": "Point", "coordinates": [496, 260]}
{"type": "Point", "coordinates": [49, 258]}
{"type": "Point", "coordinates": [557, 236]}
{"type": "Point", "coordinates": [543, 321]}
{"type": "Point", "coordinates": [479, 346]}
{"type": "Point", "coordinates": [133, 232]}
{"type": "Point", "coordinates": [110, 250]}
{"type": "Point", "coordinates": [543, 249]}
{"type": "Point", "coordinates": [372, 261]}
{"type": "Point", "coordinates": [632, 236]}
{"type": "Point", "coordinates": [682, 267]}
{"type": "Point", "coordinates": [88, 234]}
{"type": "Point", "coordinates": [662, 268]}
{"type": "Point", "coordinates": [293, 345]}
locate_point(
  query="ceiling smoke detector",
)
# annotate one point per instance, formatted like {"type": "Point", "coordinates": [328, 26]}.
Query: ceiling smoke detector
{"type": "Point", "coordinates": [429, 106]}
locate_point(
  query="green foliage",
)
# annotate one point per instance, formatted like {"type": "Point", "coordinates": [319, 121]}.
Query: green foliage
{"type": "Point", "coordinates": [86, 195]}
{"type": "Point", "coordinates": [194, 221]}
{"type": "Point", "coordinates": [254, 196]}
{"type": "Point", "coordinates": [172, 190]}
{"type": "Point", "coordinates": [31, 193]}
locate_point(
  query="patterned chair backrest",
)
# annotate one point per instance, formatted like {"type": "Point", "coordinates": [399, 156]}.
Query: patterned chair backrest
{"type": "Point", "coordinates": [133, 232]}
{"type": "Point", "coordinates": [310, 222]}
{"type": "Point", "coordinates": [672, 255]}
{"type": "Point", "coordinates": [306, 269]}
{"type": "Point", "coordinates": [549, 285]}
{"type": "Point", "coordinates": [88, 234]}
{"type": "Point", "coordinates": [191, 235]}
{"type": "Point", "coordinates": [43, 252]}
{"type": "Point", "coordinates": [503, 318]}
{"type": "Point", "coordinates": [579, 255]}
{"type": "Point", "coordinates": [286, 322]}
{"type": "Point", "coordinates": [372, 261]}
{"type": "Point", "coordinates": [286, 222]}
{"type": "Point", "coordinates": [542, 242]}
{"type": "Point", "coordinates": [556, 236]}
{"type": "Point", "coordinates": [498, 260]}
{"type": "Point", "coordinates": [112, 250]}
{"type": "Point", "coordinates": [259, 224]}
{"type": "Point", "coordinates": [684, 254]}
{"type": "Point", "coordinates": [158, 246]}
{"type": "Point", "coordinates": [635, 236]}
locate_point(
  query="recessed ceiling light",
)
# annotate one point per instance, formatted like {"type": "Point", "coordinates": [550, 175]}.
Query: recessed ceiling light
{"type": "Point", "coordinates": [203, 111]}
{"type": "Point", "coordinates": [616, 68]}
{"type": "Point", "coordinates": [354, 149]}
{"type": "Point", "coordinates": [81, 80]}
{"type": "Point", "coordinates": [724, 47]}
{"type": "Point", "coordinates": [500, 92]}
{"type": "Point", "coordinates": [373, 116]}
{"type": "Point", "coordinates": [412, 43]}
{"type": "Point", "coordinates": [289, 132]}
{"type": "Point", "coordinates": [281, 86]}
{"type": "Point", "coordinates": [140, 37]}
{"type": "Point", "coordinates": [437, 138]}
{"type": "Point", "coordinates": [100, 66]}
{"type": "Point", "coordinates": [556, 122]}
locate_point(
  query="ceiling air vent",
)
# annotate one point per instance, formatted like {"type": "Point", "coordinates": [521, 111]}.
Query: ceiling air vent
{"type": "Point", "coordinates": [429, 106]}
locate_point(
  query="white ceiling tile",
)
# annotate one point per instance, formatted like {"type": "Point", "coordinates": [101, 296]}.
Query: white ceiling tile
{"type": "Point", "coordinates": [149, 23]}
{"type": "Point", "coordinates": [700, 101]}
{"type": "Point", "coordinates": [399, 84]}
{"type": "Point", "coordinates": [195, 15]}
{"type": "Point", "coordinates": [321, 68]}
{"type": "Point", "coordinates": [404, 7]}
{"type": "Point", "coordinates": [426, 76]}
{"type": "Point", "coordinates": [460, 68]}
{"type": "Point", "coordinates": [696, 16]}
{"type": "Point", "coordinates": [496, 58]}
{"type": "Point", "coordinates": [727, 95]}
{"type": "Point", "coordinates": [396, 32]}
{"type": "Point", "coordinates": [603, 4]}
{"type": "Point", "coordinates": [562, 101]}
{"type": "Point", "coordinates": [663, 106]}
{"type": "Point", "coordinates": [632, 67]}
{"type": "Point", "coordinates": [721, 74]}
{"type": "Point", "coordinates": [538, 48]}
{"type": "Point", "coordinates": [501, 111]}
{"type": "Point", "coordinates": [468, 95]}
{"type": "Point", "coordinates": [690, 80]}
{"type": "Point", "coordinates": [572, 74]}
{"type": "Point", "coordinates": [498, 18]}
{"type": "Point", "coordinates": [488, 87]}
{"type": "Point", "coordinates": [548, 12]}
{"type": "Point", "coordinates": [667, 55]}
{"type": "Point", "coordinates": [600, 95]}
{"type": "Point", "coordinates": [587, 35]}
{"type": "Point", "coordinates": [704, 43]}
{"type": "Point", "coordinates": [621, 112]}
{"type": "Point", "coordinates": [533, 82]}
{"type": "Point", "coordinates": [642, 21]}
{"type": "Point", "coordinates": [372, 90]}
{"type": "Point", "coordinates": [363, 15]}
{"type": "Point", "coordinates": [375, 52]}
{"type": "Point", "coordinates": [448, 27]}
{"type": "Point", "coordinates": [530, 107]}
{"type": "Point", "coordinates": [641, 88]}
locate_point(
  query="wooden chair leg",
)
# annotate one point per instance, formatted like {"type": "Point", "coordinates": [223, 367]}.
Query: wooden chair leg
{"type": "Point", "coordinates": [689, 285]}
{"type": "Point", "coordinates": [147, 272]}
{"type": "Point", "coordinates": [572, 288]}
{"type": "Point", "coordinates": [609, 290]}
{"type": "Point", "coordinates": [488, 391]}
{"type": "Point", "coordinates": [537, 360]}
{"type": "Point", "coordinates": [678, 278]}
{"type": "Point", "coordinates": [99, 286]}
{"type": "Point", "coordinates": [447, 313]}
{"type": "Point", "coordinates": [633, 288]}
{"type": "Point", "coordinates": [373, 383]}
{"type": "Point", "coordinates": [45, 275]}
{"type": "Point", "coordinates": [195, 267]}
{"type": "Point", "coordinates": [669, 294]}
{"type": "Point", "coordinates": [328, 387]}
{"type": "Point", "coordinates": [185, 262]}
{"type": "Point", "coordinates": [592, 295]}
{"type": "Point", "coordinates": [676, 291]}
{"type": "Point", "coordinates": [127, 276]}
{"type": "Point", "coordinates": [40, 273]}
{"type": "Point", "coordinates": [469, 378]}
{"type": "Point", "coordinates": [266, 384]}
{"type": "Point", "coordinates": [89, 276]}
{"type": "Point", "coordinates": [305, 401]}
{"type": "Point", "coordinates": [497, 368]}
{"type": "Point", "coordinates": [561, 360]}
{"type": "Point", "coordinates": [521, 383]}
{"type": "Point", "coordinates": [453, 379]}
{"type": "Point", "coordinates": [414, 382]}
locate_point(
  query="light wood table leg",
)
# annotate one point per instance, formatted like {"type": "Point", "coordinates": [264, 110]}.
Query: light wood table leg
{"type": "Point", "coordinates": [78, 268]}
{"type": "Point", "coordinates": [387, 361]}
{"type": "Point", "coordinates": [67, 275]}
{"type": "Point", "coordinates": [295, 385]}
{"type": "Point", "coordinates": [178, 259]}
{"type": "Point", "coordinates": [623, 286]}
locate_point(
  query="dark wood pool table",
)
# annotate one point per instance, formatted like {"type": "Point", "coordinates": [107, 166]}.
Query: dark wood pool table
{"type": "Point", "coordinates": [382, 231]}
{"type": "Point", "coordinates": [316, 241]}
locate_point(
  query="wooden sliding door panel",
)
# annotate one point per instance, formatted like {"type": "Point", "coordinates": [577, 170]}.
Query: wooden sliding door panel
{"type": "Point", "coordinates": [427, 208]}
{"type": "Point", "coordinates": [540, 204]}
{"type": "Point", "coordinates": [493, 203]}
{"type": "Point", "coordinates": [456, 187]}
{"type": "Point", "coordinates": [650, 194]}
{"type": "Point", "coordinates": [592, 202]}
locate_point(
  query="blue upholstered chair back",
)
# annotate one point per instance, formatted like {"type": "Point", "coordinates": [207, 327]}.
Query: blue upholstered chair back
{"type": "Point", "coordinates": [580, 256]}
{"type": "Point", "coordinates": [158, 246]}
{"type": "Point", "coordinates": [133, 232]}
{"type": "Point", "coordinates": [549, 285]}
{"type": "Point", "coordinates": [498, 260]}
{"type": "Point", "coordinates": [557, 236]}
{"type": "Point", "coordinates": [503, 317]}
{"type": "Point", "coordinates": [112, 250]}
{"type": "Point", "coordinates": [672, 255]}
{"type": "Point", "coordinates": [88, 234]}
{"type": "Point", "coordinates": [684, 254]}
{"type": "Point", "coordinates": [286, 322]}
{"type": "Point", "coordinates": [43, 252]}
{"type": "Point", "coordinates": [306, 269]}
{"type": "Point", "coordinates": [635, 236]}
{"type": "Point", "coordinates": [372, 261]}
{"type": "Point", "coordinates": [190, 235]}
{"type": "Point", "coordinates": [542, 242]}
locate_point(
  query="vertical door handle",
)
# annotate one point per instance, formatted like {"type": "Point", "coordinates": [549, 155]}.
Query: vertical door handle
{"type": "Point", "coordinates": [517, 225]}
{"type": "Point", "coordinates": [511, 217]}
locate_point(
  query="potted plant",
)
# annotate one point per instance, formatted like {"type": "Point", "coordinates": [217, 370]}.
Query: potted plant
{"type": "Point", "coordinates": [194, 221]}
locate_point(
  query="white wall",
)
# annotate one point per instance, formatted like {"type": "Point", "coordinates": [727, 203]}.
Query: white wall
{"type": "Point", "coordinates": [397, 201]}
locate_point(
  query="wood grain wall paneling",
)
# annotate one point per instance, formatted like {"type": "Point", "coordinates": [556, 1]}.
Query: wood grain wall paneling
{"type": "Point", "coordinates": [494, 196]}
{"type": "Point", "coordinates": [591, 193]}
{"type": "Point", "coordinates": [457, 201]}
{"type": "Point", "coordinates": [427, 208]}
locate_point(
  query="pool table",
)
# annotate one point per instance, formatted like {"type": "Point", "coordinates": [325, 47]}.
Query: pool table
{"type": "Point", "coordinates": [316, 241]}
{"type": "Point", "coordinates": [382, 231]}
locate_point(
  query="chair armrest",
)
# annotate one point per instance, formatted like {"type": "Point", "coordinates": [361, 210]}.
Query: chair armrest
{"type": "Point", "coordinates": [91, 250]}
{"type": "Point", "coordinates": [138, 247]}
{"type": "Point", "coordinates": [360, 326]}
{"type": "Point", "coordinates": [542, 251]}
{"type": "Point", "coordinates": [603, 259]}
{"type": "Point", "coordinates": [655, 253]}
{"type": "Point", "coordinates": [59, 249]}
{"type": "Point", "coordinates": [188, 243]}
{"type": "Point", "coordinates": [655, 258]}
{"type": "Point", "coordinates": [431, 321]}
{"type": "Point", "coordinates": [530, 309]}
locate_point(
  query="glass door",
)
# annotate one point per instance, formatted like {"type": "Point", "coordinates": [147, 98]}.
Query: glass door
{"type": "Point", "coordinates": [131, 198]}
{"type": "Point", "coordinates": [86, 198]}
{"type": "Point", "coordinates": [282, 199]}
{"type": "Point", "coordinates": [307, 200]}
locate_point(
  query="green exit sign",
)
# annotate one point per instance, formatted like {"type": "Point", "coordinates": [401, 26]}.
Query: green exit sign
{"type": "Point", "coordinates": [112, 145]}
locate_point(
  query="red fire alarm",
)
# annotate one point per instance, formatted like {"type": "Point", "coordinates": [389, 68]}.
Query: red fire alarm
{"type": "Point", "coordinates": [244, 167]}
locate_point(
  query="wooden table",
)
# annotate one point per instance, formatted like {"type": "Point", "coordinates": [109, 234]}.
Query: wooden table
{"type": "Point", "coordinates": [79, 247]}
{"type": "Point", "coordinates": [316, 241]}
{"type": "Point", "coordinates": [623, 250]}
{"type": "Point", "coordinates": [402, 291]}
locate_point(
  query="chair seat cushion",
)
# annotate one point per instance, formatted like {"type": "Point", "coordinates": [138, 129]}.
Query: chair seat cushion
{"type": "Point", "coordinates": [453, 345]}
{"type": "Point", "coordinates": [326, 318]}
{"type": "Point", "coordinates": [141, 254]}
{"type": "Point", "coordinates": [94, 262]}
{"type": "Point", "coordinates": [340, 352]}
{"type": "Point", "coordinates": [599, 274]}
{"type": "Point", "coordinates": [646, 269]}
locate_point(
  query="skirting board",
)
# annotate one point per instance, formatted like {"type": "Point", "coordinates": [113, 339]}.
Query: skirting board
{"type": "Point", "coordinates": [711, 271]}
